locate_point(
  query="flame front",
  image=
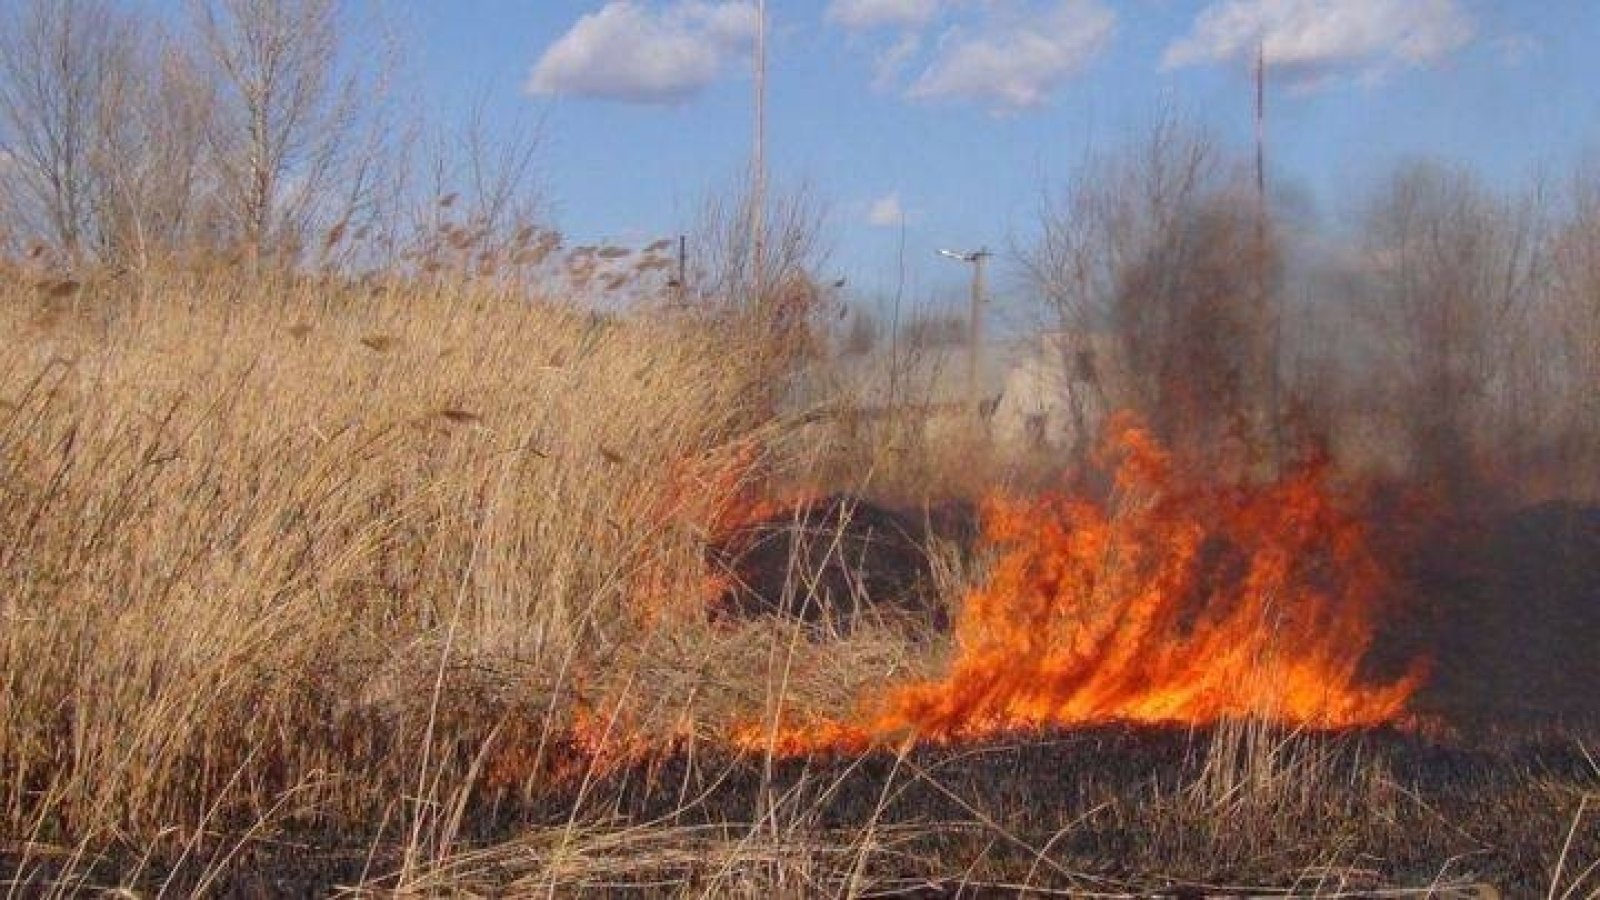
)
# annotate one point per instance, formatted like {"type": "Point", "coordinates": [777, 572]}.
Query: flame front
{"type": "Point", "coordinates": [1170, 602]}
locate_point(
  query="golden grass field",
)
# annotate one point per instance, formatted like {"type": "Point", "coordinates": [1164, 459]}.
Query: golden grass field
{"type": "Point", "coordinates": [318, 586]}
{"type": "Point", "coordinates": [275, 550]}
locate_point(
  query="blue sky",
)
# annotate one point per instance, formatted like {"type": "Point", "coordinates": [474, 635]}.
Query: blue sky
{"type": "Point", "coordinates": [957, 113]}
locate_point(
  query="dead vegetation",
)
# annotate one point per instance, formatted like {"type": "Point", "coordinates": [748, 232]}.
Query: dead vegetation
{"type": "Point", "coordinates": [347, 546]}
{"type": "Point", "coordinates": [330, 589]}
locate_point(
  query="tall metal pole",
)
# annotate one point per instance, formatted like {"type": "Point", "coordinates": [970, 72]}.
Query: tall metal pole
{"type": "Point", "coordinates": [975, 328]}
{"type": "Point", "coordinates": [979, 260]}
{"type": "Point", "coordinates": [758, 161]}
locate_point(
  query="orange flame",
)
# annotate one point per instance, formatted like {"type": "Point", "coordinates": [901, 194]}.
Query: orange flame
{"type": "Point", "coordinates": [1170, 603]}
{"type": "Point", "coordinates": [713, 496]}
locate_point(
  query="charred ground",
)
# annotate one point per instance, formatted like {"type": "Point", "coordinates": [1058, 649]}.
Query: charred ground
{"type": "Point", "coordinates": [1116, 811]}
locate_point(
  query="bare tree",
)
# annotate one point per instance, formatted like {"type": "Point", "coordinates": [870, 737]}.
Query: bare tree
{"type": "Point", "coordinates": [1158, 250]}
{"type": "Point", "coordinates": [1194, 340]}
{"type": "Point", "coordinates": [483, 201]}
{"type": "Point", "coordinates": [58, 61]}
{"type": "Point", "coordinates": [292, 133]}
{"type": "Point", "coordinates": [791, 230]}
{"type": "Point", "coordinates": [499, 171]}
{"type": "Point", "coordinates": [932, 329]}
{"type": "Point", "coordinates": [1451, 272]}
{"type": "Point", "coordinates": [262, 127]}
{"type": "Point", "coordinates": [1571, 329]}
{"type": "Point", "coordinates": [779, 306]}
{"type": "Point", "coordinates": [151, 154]}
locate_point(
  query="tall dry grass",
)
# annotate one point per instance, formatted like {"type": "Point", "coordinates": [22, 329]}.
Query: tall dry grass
{"type": "Point", "coordinates": [274, 549]}
{"type": "Point", "coordinates": [305, 563]}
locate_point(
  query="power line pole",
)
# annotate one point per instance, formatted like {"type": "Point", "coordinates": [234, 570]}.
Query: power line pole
{"type": "Point", "coordinates": [758, 160]}
{"type": "Point", "coordinates": [979, 259]}
{"type": "Point", "coordinates": [980, 287]}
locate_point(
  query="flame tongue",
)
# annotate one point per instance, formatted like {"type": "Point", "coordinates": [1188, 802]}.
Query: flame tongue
{"type": "Point", "coordinates": [1168, 603]}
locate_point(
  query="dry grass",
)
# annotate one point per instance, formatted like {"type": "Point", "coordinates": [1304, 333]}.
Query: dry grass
{"type": "Point", "coordinates": [275, 550]}
{"type": "Point", "coordinates": [374, 584]}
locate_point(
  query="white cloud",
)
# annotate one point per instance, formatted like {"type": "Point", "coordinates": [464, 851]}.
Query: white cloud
{"type": "Point", "coordinates": [860, 15]}
{"type": "Point", "coordinates": [1017, 58]}
{"type": "Point", "coordinates": [893, 60]}
{"type": "Point", "coordinates": [1313, 39]}
{"type": "Point", "coordinates": [632, 52]}
{"type": "Point", "coordinates": [886, 212]}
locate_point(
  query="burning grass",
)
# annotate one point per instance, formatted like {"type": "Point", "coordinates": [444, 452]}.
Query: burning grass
{"type": "Point", "coordinates": [1173, 601]}
{"type": "Point", "coordinates": [411, 587]}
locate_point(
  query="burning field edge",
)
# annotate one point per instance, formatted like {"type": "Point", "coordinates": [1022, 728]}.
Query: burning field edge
{"type": "Point", "coordinates": [1113, 811]}
{"type": "Point", "coordinates": [1145, 677]}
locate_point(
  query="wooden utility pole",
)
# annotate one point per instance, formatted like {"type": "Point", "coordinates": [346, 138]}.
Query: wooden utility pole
{"type": "Point", "coordinates": [758, 161]}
